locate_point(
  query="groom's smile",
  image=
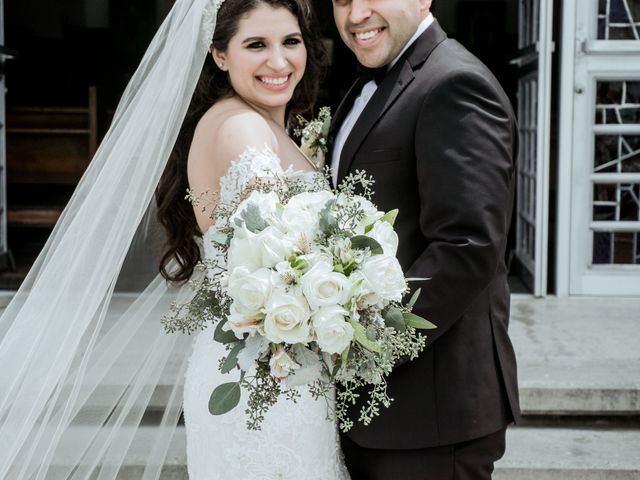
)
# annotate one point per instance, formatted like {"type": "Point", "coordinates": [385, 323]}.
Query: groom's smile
{"type": "Point", "coordinates": [365, 38]}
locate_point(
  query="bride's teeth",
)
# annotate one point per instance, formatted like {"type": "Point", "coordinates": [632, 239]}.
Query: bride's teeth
{"type": "Point", "coordinates": [367, 35]}
{"type": "Point", "coordinates": [275, 81]}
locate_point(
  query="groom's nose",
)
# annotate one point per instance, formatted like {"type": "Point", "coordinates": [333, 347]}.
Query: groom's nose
{"type": "Point", "coordinates": [359, 11]}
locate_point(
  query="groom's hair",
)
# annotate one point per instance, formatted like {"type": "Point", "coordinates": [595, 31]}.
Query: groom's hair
{"type": "Point", "coordinates": [175, 214]}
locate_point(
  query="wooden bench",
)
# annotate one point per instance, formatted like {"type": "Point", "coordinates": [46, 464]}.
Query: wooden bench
{"type": "Point", "coordinates": [47, 147]}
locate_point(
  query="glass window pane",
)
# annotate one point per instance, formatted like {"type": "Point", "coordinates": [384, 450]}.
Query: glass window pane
{"type": "Point", "coordinates": [617, 154]}
{"type": "Point", "coordinates": [619, 19]}
{"type": "Point", "coordinates": [619, 248]}
{"type": "Point", "coordinates": [616, 202]}
{"type": "Point", "coordinates": [618, 102]}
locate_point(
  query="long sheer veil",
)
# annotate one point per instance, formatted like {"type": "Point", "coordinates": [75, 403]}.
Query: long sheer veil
{"type": "Point", "coordinates": [83, 355]}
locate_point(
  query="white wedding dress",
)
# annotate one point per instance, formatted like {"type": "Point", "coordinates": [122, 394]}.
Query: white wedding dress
{"type": "Point", "coordinates": [296, 441]}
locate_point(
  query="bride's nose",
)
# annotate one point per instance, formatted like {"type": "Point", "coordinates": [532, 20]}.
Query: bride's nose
{"type": "Point", "coordinates": [277, 59]}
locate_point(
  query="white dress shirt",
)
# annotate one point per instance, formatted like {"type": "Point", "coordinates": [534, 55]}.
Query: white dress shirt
{"type": "Point", "coordinates": [361, 102]}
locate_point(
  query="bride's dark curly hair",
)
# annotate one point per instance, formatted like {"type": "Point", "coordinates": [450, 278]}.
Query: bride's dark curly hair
{"type": "Point", "coordinates": [174, 212]}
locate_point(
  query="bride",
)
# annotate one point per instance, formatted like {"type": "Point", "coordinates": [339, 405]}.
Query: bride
{"type": "Point", "coordinates": [266, 66]}
{"type": "Point", "coordinates": [83, 362]}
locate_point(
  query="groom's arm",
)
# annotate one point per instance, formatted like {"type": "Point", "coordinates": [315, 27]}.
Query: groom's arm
{"type": "Point", "coordinates": [464, 146]}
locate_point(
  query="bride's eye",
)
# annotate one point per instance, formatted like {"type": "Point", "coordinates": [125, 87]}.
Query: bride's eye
{"type": "Point", "coordinates": [289, 42]}
{"type": "Point", "coordinates": [255, 45]}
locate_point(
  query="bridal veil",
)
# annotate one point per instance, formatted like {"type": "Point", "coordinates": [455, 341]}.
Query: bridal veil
{"type": "Point", "coordinates": [82, 351]}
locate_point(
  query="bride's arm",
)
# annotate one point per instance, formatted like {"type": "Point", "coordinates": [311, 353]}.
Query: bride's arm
{"type": "Point", "coordinates": [216, 143]}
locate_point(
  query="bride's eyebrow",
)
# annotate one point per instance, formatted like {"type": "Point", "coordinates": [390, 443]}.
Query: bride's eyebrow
{"type": "Point", "coordinates": [262, 39]}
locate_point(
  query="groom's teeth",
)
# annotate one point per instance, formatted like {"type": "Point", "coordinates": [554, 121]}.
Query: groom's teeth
{"type": "Point", "coordinates": [275, 81]}
{"type": "Point", "coordinates": [367, 35]}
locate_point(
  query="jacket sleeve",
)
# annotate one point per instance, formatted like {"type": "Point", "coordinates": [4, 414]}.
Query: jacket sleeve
{"type": "Point", "coordinates": [464, 144]}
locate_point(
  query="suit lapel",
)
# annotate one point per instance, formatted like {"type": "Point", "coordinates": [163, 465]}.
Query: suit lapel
{"type": "Point", "coordinates": [395, 82]}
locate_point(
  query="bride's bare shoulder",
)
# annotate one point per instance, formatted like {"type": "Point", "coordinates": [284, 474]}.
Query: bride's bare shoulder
{"type": "Point", "coordinates": [221, 136]}
{"type": "Point", "coordinates": [230, 126]}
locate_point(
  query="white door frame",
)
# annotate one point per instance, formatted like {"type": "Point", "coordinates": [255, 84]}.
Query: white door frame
{"type": "Point", "coordinates": [585, 60]}
{"type": "Point", "coordinates": [538, 57]}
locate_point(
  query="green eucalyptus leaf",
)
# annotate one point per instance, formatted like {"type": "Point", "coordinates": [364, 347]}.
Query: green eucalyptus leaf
{"type": "Point", "coordinates": [253, 218]}
{"type": "Point", "coordinates": [372, 333]}
{"type": "Point", "coordinates": [231, 361]}
{"type": "Point", "coordinates": [393, 318]}
{"type": "Point", "coordinates": [415, 321]}
{"type": "Point", "coordinates": [362, 242]}
{"type": "Point", "coordinates": [327, 220]}
{"type": "Point", "coordinates": [223, 336]}
{"type": "Point", "coordinates": [360, 335]}
{"type": "Point", "coordinates": [414, 298]}
{"type": "Point", "coordinates": [224, 398]}
{"type": "Point", "coordinates": [345, 354]}
{"type": "Point", "coordinates": [390, 216]}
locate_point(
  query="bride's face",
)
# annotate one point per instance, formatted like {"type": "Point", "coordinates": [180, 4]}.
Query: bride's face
{"type": "Point", "coordinates": [266, 58]}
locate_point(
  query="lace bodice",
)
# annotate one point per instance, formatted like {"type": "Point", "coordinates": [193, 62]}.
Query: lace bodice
{"type": "Point", "coordinates": [251, 164]}
{"type": "Point", "coordinates": [296, 440]}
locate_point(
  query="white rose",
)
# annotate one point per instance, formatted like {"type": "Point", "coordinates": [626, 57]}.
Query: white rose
{"type": "Point", "coordinates": [243, 253]}
{"type": "Point", "coordinates": [272, 248]}
{"type": "Point", "coordinates": [287, 318]}
{"type": "Point", "coordinates": [310, 201]}
{"type": "Point", "coordinates": [386, 236]}
{"type": "Point", "coordinates": [301, 215]}
{"type": "Point", "coordinates": [282, 364]}
{"type": "Point", "coordinates": [250, 291]}
{"type": "Point", "coordinates": [322, 286]}
{"type": "Point", "coordinates": [333, 331]}
{"type": "Point", "coordinates": [240, 323]}
{"type": "Point", "coordinates": [383, 275]}
{"type": "Point", "coordinates": [363, 297]}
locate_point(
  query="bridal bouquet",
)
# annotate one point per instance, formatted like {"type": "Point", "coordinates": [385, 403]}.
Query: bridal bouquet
{"type": "Point", "coordinates": [307, 291]}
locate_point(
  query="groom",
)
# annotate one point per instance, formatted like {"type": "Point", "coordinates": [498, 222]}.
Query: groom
{"type": "Point", "coordinates": [437, 132]}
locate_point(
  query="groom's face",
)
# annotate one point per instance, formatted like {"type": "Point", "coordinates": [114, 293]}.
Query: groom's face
{"type": "Point", "coordinates": [377, 30]}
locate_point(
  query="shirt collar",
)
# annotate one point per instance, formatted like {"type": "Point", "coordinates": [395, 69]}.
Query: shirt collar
{"type": "Point", "coordinates": [428, 20]}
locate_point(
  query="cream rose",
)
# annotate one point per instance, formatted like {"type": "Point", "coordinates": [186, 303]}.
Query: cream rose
{"type": "Point", "coordinates": [300, 216]}
{"type": "Point", "coordinates": [386, 236]}
{"type": "Point", "coordinates": [322, 286]}
{"type": "Point", "coordinates": [383, 275]}
{"type": "Point", "coordinates": [282, 364]}
{"type": "Point", "coordinates": [332, 330]}
{"type": "Point", "coordinates": [250, 290]}
{"type": "Point", "coordinates": [243, 253]}
{"type": "Point", "coordinates": [287, 318]}
{"type": "Point", "coordinates": [240, 323]}
{"type": "Point", "coordinates": [271, 247]}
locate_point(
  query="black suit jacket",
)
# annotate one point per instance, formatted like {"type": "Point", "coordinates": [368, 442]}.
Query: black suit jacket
{"type": "Point", "coordinates": [440, 139]}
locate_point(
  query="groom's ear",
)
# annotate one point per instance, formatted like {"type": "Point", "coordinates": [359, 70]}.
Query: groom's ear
{"type": "Point", "coordinates": [425, 5]}
{"type": "Point", "coordinates": [219, 58]}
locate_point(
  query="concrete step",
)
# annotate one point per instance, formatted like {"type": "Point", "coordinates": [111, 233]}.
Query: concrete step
{"type": "Point", "coordinates": [532, 454]}
{"type": "Point", "coordinates": [577, 356]}
{"type": "Point", "coordinates": [570, 454]}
